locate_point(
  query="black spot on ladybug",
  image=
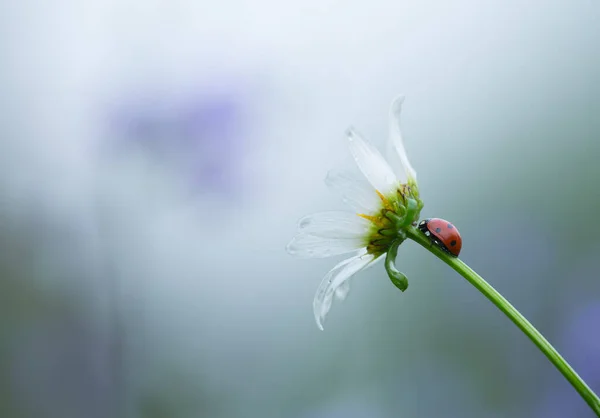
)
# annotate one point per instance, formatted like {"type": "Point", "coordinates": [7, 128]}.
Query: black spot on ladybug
{"type": "Point", "coordinates": [438, 230]}
{"type": "Point", "coordinates": [450, 226]}
{"type": "Point", "coordinates": [452, 243]}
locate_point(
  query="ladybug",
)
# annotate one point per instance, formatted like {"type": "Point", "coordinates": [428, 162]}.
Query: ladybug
{"type": "Point", "coordinates": [443, 234]}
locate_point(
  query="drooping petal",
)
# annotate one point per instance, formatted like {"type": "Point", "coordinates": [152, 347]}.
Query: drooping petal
{"type": "Point", "coordinates": [342, 291]}
{"type": "Point", "coordinates": [372, 164]}
{"type": "Point", "coordinates": [395, 138]}
{"type": "Point", "coordinates": [310, 246]}
{"type": "Point", "coordinates": [353, 189]}
{"type": "Point", "coordinates": [337, 277]}
{"type": "Point", "coordinates": [334, 224]}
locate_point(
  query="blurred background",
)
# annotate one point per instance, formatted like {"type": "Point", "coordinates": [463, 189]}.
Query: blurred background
{"type": "Point", "coordinates": [155, 157]}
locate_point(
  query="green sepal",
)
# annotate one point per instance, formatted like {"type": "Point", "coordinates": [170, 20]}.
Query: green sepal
{"type": "Point", "coordinates": [411, 214]}
{"type": "Point", "coordinates": [398, 278]}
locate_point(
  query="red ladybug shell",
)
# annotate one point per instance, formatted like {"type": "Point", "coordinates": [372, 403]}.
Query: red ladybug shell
{"type": "Point", "coordinates": [444, 234]}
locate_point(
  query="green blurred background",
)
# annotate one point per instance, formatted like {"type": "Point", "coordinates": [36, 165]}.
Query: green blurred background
{"type": "Point", "coordinates": [156, 155]}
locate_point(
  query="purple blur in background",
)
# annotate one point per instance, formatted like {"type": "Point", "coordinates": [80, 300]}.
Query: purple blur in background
{"type": "Point", "coordinates": [199, 136]}
{"type": "Point", "coordinates": [581, 342]}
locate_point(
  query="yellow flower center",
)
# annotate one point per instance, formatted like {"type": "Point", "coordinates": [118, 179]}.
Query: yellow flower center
{"type": "Point", "coordinates": [383, 230]}
{"type": "Point", "coordinates": [382, 233]}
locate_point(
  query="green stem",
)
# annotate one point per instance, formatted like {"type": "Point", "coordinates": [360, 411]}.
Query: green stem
{"type": "Point", "coordinates": [514, 315]}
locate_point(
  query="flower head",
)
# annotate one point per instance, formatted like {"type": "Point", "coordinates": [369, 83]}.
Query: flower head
{"type": "Point", "coordinates": [382, 209]}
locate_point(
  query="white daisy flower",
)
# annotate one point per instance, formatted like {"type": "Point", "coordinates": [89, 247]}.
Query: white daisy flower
{"type": "Point", "coordinates": [382, 208]}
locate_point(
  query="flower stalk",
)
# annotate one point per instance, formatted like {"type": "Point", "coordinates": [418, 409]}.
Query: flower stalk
{"type": "Point", "coordinates": [385, 212]}
{"type": "Point", "coordinates": [513, 314]}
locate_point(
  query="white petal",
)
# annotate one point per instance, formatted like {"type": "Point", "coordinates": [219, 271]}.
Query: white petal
{"type": "Point", "coordinates": [372, 164]}
{"type": "Point", "coordinates": [310, 246]}
{"type": "Point", "coordinates": [354, 190]}
{"type": "Point", "coordinates": [342, 291]}
{"type": "Point", "coordinates": [334, 224]}
{"type": "Point", "coordinates": [395, 138]}
{"type": "Point", "coordinates": [333, 280]}
{"type": "Point", "coordinates": [391, 155]}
